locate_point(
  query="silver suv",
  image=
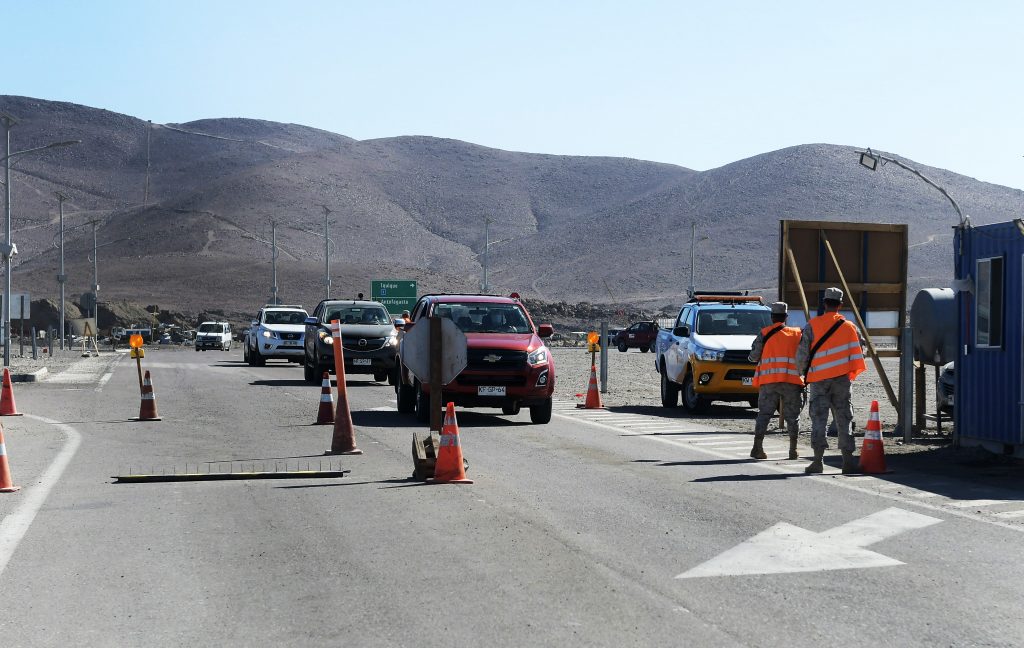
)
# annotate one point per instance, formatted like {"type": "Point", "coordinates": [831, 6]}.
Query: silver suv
{"type": "Point", "coordinates": [368, 334]}
{"type": "Point", "coordinates": [275, 333]}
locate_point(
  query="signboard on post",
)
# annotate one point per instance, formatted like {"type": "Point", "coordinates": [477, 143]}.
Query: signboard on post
{"type": "Point", "coordinates": [416, 350]}
{"type": "Point", "coordinates": [21, 305]}
{"type": "Point", "coordinates": [396, 295]}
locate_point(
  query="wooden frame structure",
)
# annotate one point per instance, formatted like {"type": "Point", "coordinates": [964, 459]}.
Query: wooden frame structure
{"type": "Point", "coordinates": [868, 260]}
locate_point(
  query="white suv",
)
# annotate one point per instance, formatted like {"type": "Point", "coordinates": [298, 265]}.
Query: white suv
{"type": "Point", "coordinates": [213, 335]}
{"type": "Point", "coordinates": [277, 332]}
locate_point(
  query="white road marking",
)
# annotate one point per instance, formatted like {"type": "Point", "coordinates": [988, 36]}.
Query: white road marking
{"type": "Point", "coordinates": [785, 548]}
{"type": "Point", "coordinates": [973, 503]}
{"type": "Point", "coordinates": [382, 409]}
{"type": "Point", "coordinates": [1009, 514]}
{"type": "Point", "coordinates": [15, 524]}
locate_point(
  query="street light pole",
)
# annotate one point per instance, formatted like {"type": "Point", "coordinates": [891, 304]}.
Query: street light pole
{"type": "Point", "coordinates": [62, 278]}
{"type": "Point", "coordinates": [327, 251]}
{"type": "Point", "coordinates": [273, 260]}
{"type": "Point", "coordinates": [487, 246]}
{"type": "Point", "coordinates": [869, 160]}
{"type": "Point", "coordinates": [95, 276]}
{"type": "Point", "coordinates": [8, 250]}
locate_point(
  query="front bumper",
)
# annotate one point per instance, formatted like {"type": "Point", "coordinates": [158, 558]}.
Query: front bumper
{"type": "Point", "coordinates": [215, 343]}
{"type": "Point", "coordinates": [360, 362]}
{"type": "Point", "coordinates": [723, 380]}
{"type": "Point", "coordinates": [531, 386]}
{"type": "Point", "coordinates": [275, 348]}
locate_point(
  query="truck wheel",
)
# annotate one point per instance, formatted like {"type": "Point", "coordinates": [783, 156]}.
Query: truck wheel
{"type": "Point", "coordinates": [406, 397]}
{"type": "Point", "coordinates": [692, 401]}
{"type": "Point", "coordinates": [511, 409]}
{"type": "Point", "coordinates": [669, 391]}
{"type": "Point", "coordinates": [380, 376]}
{"type": "Point", "coordinates": [309, 372]}
{"type": "Point", "coordinates": [622, 347]}
{"type": "Point", "coordinates": [393, 377]}
{"type": "Point", "coordinates": [645, 349]}
{"type": "Point", "coordinates": [541, 414]}
{"type": "Point", "coordinates": [653, 346]}
{"type": "Point", "coordinates": [422, 406]}
{"type": "Point", "coordinates": [245, 354]}
{"type": "Point", "coordinates": [257, 359]}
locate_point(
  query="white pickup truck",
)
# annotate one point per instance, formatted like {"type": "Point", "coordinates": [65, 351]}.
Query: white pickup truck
{"type": "Point", "coordinates": [277, 332]}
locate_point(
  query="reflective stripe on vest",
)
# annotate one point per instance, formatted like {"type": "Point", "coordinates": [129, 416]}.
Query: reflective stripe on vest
{"type": "Point", "coordinates": [841, 354]}
{"type": "Point", "coordinates": [778, 358]}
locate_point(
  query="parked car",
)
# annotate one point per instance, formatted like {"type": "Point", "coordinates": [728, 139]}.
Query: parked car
{"type": "Point", "coordinates": [276, 333]}
{"type": "Point", "coordinates": [639, 335]}
{"type": "Point", "coordinates": [368, 335]}
{"type": "Point", "coordinates": [213, 335]}
{"type": "Point", "coordinates": [508, 364]}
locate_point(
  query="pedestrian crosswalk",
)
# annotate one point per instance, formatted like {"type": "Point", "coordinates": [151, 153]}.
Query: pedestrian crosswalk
{"type": "Point", "coordinates": [998, 505]}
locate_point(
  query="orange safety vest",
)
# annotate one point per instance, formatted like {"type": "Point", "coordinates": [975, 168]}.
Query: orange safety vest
{"type": "Point", "coordinates": [841, 355]}
{"type": "Point", "coordinates": [778, 357]}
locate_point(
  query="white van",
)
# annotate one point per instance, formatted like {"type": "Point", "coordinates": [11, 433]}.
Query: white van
{"type": "Point", "coordinates": [213, 335]}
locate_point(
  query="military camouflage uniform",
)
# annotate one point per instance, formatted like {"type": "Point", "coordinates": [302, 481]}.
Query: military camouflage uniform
{"type": "Point", "coordinates": [768, 396]}
{"type": "Point", "coordinates": [832, 394]}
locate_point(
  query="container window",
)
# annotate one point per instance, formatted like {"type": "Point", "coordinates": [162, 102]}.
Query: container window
{"type": "Point", "coordinates": [989, 318]}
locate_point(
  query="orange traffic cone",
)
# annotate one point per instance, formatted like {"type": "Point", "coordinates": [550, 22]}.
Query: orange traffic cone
{"type": "Point", "coordinates": [6, 484]}
{"type": "Point", "coordinates": [325, 415]}
{"type": "Point", "coordinates": [872, 453]}
{"type": "Point", "coordinates": [593, 393]}
{"type": "Point", "coordinates": [448, 468]}
{"type": "Point", "coordinates": [7, 406]}
{"type": "Point", "coordinates": [147, 410]}
{"type": "Point", "coordinates": [343, 441]}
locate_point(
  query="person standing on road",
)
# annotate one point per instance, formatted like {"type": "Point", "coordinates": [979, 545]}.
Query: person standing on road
{"type": "Point", "coordinates": [777, 378]}
{"type": "Point", "coordinates": [831, 356]}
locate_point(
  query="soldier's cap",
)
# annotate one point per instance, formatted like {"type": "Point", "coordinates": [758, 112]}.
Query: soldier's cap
{"type": "Point", "coordinates": [780, 308]}
{"type": "Point", "coordinates": [834, 294]}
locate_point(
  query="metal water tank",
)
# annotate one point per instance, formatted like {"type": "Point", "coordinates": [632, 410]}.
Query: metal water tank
{"type": "Point", "coordinates": [934, 320]}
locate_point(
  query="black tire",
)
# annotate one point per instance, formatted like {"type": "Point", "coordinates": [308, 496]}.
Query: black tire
{"type": "Point", "coordinates": [510, 409]}
{"type": "Point", "coordinates": [406, 398]}
{"type": "Point", "coordinates": [541, 414]}
{"type": "Point", "coordinates": [422, 405]}
{"type": "Point", "coordinates": [669, 391]}
{"type": "Point", "coordinates": [309, 372]}
{"type": "Point", "coordinates": [393, 377]}
{"type": "Point", "coordinates": [245, 354]}
{"type": "Point", "coordinates": [692, 401]}
{"type": "Point", "coordinates": [380, 376]}
{"type": "Point", "coordinates": [622, 347]}
{"type": "Point", "coordinates": [645, 349]}
{"type": "Point", "coordinates": [257, 359]}
{"type": "Point", "coordinates": [653, 346]}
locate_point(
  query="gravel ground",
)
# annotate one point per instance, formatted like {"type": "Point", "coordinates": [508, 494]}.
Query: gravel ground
{"type": "Point", "coordinates": [633, 382]}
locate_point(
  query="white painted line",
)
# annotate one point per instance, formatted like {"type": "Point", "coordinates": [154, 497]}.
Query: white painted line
{"type": "Point", "coordinates": [718, 442]}
{"type": "Point", "coordinates": [382, 409]}
{"type": "Point", "coordinates": [104, 379]}
{"type": "Point", "coordinates": [16, 523]}
{"type": "Point", "coordinates": [1007, 515]}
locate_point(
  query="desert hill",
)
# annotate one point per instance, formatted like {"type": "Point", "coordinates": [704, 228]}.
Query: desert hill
{"type": "Point", "coordinates": [570, 228]}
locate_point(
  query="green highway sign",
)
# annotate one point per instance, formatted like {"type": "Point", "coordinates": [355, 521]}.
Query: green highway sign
{"type": "Point", "coordinates": [396, 295]}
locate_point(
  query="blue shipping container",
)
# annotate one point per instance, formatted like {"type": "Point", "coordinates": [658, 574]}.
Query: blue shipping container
{"type": "Point", "coordinates": [989, 394]}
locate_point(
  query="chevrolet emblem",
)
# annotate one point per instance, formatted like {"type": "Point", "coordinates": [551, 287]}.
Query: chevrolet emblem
{"type": "Point", "coordinates": [492, 357]}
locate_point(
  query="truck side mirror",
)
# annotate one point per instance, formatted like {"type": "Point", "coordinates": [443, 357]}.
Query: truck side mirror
{"type": "Point", "coordinates": [681, 331]}
{"type": "Point", "coordinates": [254, 323]}
{"type": "Point", "coordinates": [309, 321]}
{"type": "Point", "coordinates": [545, 331]}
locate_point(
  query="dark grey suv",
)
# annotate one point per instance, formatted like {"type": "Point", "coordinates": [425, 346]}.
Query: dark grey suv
{"type": "Point", "coordinates": [368, 335]}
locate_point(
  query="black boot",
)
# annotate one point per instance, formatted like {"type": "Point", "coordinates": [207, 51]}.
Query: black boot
{"type": "Point", "coordinates": [815, 466]}
{"type": "Point", "coordinates": [757, 452]}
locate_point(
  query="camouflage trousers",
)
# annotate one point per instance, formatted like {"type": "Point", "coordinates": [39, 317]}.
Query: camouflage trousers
{"type": "Point", "coordinates": [831, 395]}
{"type": "Point", "coordinates": [768, 401]}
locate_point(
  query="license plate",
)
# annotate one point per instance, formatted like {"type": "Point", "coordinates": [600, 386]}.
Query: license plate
{"type": "Point", "coordinates": [362, 361]}
{"type": "Point", "coordinates": [747, 381]}
{"type": "Point", "coordinates": [290, 343]}
{"type": "Point", "coordinates": [490, 391]}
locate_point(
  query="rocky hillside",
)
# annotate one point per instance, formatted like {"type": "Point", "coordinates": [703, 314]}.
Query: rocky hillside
{"type": "Point", "coordinates": [563, 228]}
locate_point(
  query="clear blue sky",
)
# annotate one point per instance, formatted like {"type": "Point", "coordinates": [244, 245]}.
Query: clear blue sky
{"type": "Point", "coordinates": [699, 84]}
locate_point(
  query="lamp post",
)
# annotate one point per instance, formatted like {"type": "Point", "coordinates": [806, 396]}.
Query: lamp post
{"type": "Point", "coordinates": [95, 269]}
{"type": "Point", "coordinates": [273, 259]}
{"type": "Point", "coordinates": [8, 250]}
{"type": "Point", "coordinates": [869, 160]}
{"type": "Point", "coordinates": [327, 251]}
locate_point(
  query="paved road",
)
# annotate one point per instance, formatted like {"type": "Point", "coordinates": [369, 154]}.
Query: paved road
{"type": "Point", "coordinates": [599, 529]}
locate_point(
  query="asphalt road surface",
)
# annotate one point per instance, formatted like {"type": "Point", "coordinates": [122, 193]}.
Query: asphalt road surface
{"type": "Point", "coordinates": [598, 529]}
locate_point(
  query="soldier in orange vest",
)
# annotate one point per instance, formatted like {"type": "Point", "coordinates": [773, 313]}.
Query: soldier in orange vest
{"type": "Point", "coordinates": [831, 356]}
{"type": "Point", "coordinates": [777, 379]}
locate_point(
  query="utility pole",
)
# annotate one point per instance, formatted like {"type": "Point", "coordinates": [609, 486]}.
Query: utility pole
{"type": "Point", "coordinates": [273, 260]}
{"type": "Point", "coordinates": [8, 250]}
{"type": "Point", "coordinates": [62, 278]}
{"type": "Point", "coordinates": [145, 196]}
{"type": "Point", "coordinates": [487, 244]}
{"type": "Point", "coordinates": [327, 251]}
{"type": "Point", "coordinates": [693, 241]}
{"type": "Point", "coordinates": [95, 276]}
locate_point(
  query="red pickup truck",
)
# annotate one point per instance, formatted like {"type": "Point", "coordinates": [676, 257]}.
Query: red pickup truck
{"type": "Point", "coordinates": [639, 335]}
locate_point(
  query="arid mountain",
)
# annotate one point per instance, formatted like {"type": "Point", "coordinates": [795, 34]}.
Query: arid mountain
{"type": "Point", "coordinates": [562, 227]}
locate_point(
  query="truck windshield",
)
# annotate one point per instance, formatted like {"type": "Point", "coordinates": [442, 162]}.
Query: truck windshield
{"type": "Point", "coordinates": [284, 317]}
{"type": "Point", "coordinates": [211, 328]}
{"type": "Point", "coordinates": [358, 315]}
{"type": "Point", "coordinates": [475, 317]}
{"type": "Point", "coordinates": [731, 321]}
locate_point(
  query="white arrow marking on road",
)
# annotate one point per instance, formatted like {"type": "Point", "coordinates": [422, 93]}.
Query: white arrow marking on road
{"type": "Point", "coordinates": [785, 548]}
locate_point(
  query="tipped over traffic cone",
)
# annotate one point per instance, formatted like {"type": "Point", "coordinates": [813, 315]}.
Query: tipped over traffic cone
{"type": "Point", "coordinates": [325, 415]}
{"type": "Point", "coordinates": [449, 469]}
{"type": "Point", "coordinates": [6, 483]}
{"type": "Point", "coordinates": [593, 393]}
{"type": "Point", "coordinates": [343, 440]}
{"type": "Point", "coordinates": [872, 453]}
{"type": "Point", "coordinates": [7, 406]}
{"type": "Point", "coordinates": [147, 410]}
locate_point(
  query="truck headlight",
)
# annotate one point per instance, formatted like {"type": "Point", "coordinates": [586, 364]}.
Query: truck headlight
{"type": "Point", "coordinates": [709, 355]}
{"type": "Point", "coordinates": [392, 341]}
{"type": "Point", "coordinates": [326, 337]}
{"type": "Point", "coordinates": [267, 334]}
{"type": "Point", "coordinates": [538, 357]}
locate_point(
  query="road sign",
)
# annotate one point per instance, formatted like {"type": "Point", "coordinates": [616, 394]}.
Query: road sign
{"type": "Point", "coordinates": [415, 350]}
{"type": "Point", "coordinates": [396, 295]}
{"type": "Point", "coordinates": [785, 548]}
{"type": "Point", "coordinates": [17, 299]}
